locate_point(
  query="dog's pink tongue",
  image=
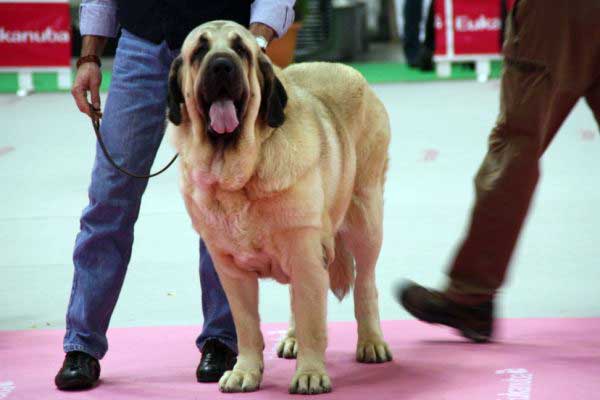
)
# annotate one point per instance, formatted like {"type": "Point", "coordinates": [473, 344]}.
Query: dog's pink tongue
{"type": "Point", "coordinates": [223, 118]}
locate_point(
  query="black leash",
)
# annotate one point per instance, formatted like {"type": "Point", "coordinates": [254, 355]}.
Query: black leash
{"type": "Point", "coordinates": [96, 115]}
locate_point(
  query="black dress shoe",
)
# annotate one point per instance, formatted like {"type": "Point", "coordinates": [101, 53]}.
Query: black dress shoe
{"type": "Point", "coordinates": [216, 360]}
{"type": "Point", "coordinates": [79, 371]}
{"type": "Point", "coordinates": [474, 322]}
{"type": "Point", "coordinates": [425, 60]}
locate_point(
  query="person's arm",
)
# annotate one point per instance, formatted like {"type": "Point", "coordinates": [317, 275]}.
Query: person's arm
{"type": "Point", "coordinates": [271, 18]}
{"type": "Point", "coordinates": [97, 22]}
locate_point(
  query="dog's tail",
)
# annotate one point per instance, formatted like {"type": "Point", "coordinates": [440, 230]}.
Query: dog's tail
{"type": "Point", "coordinates": [341, 270]}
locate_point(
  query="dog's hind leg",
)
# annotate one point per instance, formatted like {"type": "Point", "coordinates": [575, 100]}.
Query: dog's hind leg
{"type": "Point", "coordinates": [288, 347]}
{"type": "Point", "coordinates": [363, 235]}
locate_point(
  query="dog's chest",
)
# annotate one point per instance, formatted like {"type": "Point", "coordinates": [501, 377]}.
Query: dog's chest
{"type": "Point", "coordinates": [234, 225]}
{"type": "Point", "coordinates": [240, 231]}
{"type": "Point", "coordinates": [244, 228]}
{"type": "Point", "coordinates": [230, 220]}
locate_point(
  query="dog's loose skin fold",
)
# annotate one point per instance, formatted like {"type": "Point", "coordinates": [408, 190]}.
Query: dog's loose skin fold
{"type": "Point", "coordinates": [295, 193]}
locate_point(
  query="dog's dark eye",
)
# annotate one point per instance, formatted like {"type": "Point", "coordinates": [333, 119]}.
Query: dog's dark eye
{"type": "Point", "coordinates": [200, 52]}
{"type": "Point", "coordinates": [239, 48]}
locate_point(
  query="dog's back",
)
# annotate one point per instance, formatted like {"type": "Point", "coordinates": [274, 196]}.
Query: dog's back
{"type": "Point", "coordinates": [353, 106]}
{"type": "Point", "coordinates": [340, 88]}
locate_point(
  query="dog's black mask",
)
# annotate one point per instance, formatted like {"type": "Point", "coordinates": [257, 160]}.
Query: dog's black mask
{"type": "Point", "coordinates": [273, 94]}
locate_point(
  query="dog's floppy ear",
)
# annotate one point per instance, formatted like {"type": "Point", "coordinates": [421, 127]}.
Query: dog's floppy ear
{"type": "Point", "coordinates": [175, 97]}
{"type": "Point", "coordinates": [273, 97]}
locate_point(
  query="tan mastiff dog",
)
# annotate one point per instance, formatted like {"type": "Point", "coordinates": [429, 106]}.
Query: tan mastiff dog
{"type": "Point", "coordinates": [282, 174]}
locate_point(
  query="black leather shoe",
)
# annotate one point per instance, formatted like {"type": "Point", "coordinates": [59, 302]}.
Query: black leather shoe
{"type": "Point", "coordinates": [216, 360]}
{"type": "Point", "coordinates": [425, 60]}
{"type": "Point", "coordinates": [474, 322]}
{"type": "Point", "coordinates": [79, 371]}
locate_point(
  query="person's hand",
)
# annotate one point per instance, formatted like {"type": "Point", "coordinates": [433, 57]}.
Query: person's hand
{"type": "Point", "coordinates": [89, 75]}
{"type": "Point", "coordinates": [88, 79]}
{"type": "Point", "coordinates": [258, 29]}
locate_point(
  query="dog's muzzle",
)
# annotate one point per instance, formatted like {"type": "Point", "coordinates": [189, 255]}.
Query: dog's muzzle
{"type": "Point", "coordinates": [222, 94]}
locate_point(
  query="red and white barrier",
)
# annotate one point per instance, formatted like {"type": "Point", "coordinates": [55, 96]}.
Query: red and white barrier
{"type": "Point", "coordinates": [467, 30]}
{"type": "Point", "coordinates": [35, 35]}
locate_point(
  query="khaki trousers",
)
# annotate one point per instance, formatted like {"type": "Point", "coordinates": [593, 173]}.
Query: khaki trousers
{"type": "Point", "coordinates": [552, 53]}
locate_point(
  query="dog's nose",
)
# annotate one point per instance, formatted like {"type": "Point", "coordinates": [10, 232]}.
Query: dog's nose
{"type": "Point", "coordinates": [222, 66]}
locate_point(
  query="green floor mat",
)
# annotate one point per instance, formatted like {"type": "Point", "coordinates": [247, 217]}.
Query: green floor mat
{"type": "Point", "coordinates": [395, 72]}
{"type": "Point", "coordinates": [43, 82]}
{"type": "Point", "coordinates": [388, 72]}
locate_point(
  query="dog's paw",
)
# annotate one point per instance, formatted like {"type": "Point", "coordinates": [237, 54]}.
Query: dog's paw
{"type": "Point", "coordinates": [310, 382]}
{"type": "Point", "coordinates": [240, 381]}
{"type": "Point", "coordinates": [288, 347]}
{"type": "Point", "coordinates": [373, 351]}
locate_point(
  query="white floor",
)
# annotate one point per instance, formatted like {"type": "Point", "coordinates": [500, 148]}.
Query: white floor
{"type": "Point", "coordinates": [439, 138]}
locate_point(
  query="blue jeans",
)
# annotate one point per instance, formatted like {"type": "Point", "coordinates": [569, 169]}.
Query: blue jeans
{"type": "Point", "coordinates": [133, 127]}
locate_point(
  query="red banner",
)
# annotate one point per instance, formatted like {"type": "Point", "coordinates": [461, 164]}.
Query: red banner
{"type": "Point", "coordinates": [475, 27]}
{"type": "Point", "coordinates": [35, 34]}
{"type": "Point", "coordinates": [441, 34]}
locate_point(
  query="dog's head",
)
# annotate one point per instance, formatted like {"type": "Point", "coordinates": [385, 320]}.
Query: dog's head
{"type": "Point", "coordinates": [227, 90]}
{"type": "Point", "coordinates": [213, 74]}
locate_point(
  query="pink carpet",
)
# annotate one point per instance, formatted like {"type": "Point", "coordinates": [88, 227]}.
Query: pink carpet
{"type": "Point", "coordinates": [545, 359]}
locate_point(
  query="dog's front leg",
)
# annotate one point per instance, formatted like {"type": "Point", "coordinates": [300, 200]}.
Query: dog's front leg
{"type": "Point", "coordinates": [303, 260]}
{"type": "Point", "coordinates": [242, 294]}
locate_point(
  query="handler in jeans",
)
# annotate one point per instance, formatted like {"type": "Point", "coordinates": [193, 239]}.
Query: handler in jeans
{"type": "Point", "coordinates": [133, 127]}
{"type": "Point", "coordinates": [552, 55]}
